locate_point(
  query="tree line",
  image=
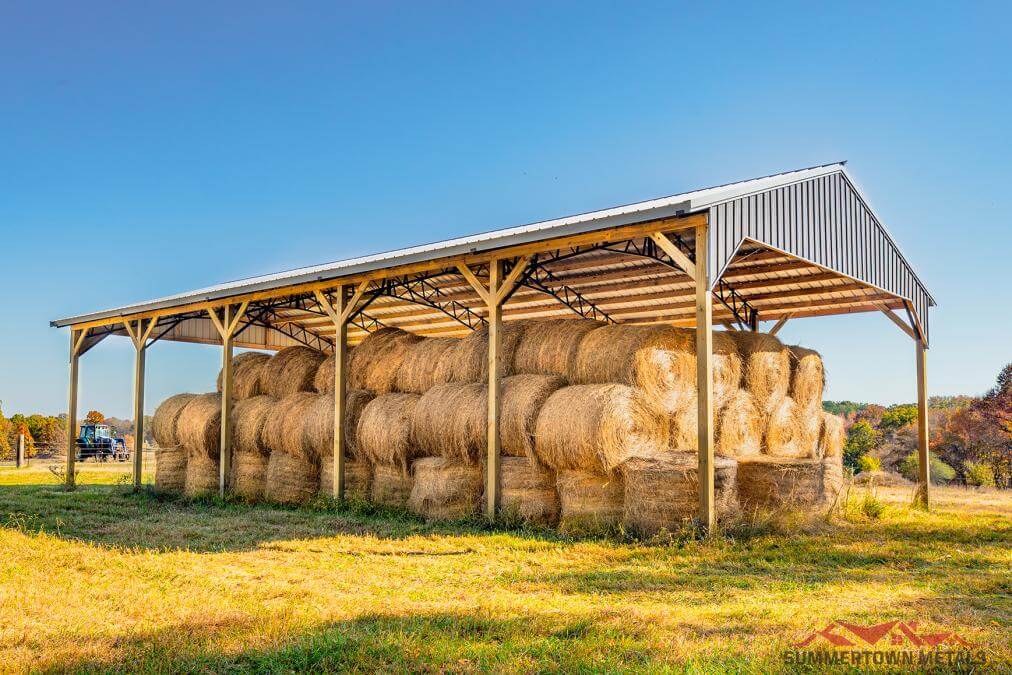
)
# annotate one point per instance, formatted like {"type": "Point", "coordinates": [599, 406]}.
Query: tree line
{"type": "Point", "coordinates": [47, 434]}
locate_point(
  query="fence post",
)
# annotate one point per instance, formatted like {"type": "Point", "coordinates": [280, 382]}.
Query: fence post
{"type": "Point", "coordinates": [19, 454]}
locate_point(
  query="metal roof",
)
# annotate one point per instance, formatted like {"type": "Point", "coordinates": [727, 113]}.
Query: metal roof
{"type": "Point", "coordinates": [687, 202]}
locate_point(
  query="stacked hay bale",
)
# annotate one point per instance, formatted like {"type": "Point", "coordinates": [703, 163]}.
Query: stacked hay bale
{"type": "Point", "coordinates": [467, 360]}
{"type": "Point", "coordinates": [250, 451]}
{"type": "Point", "coordinates": [549, 347]}
{"type": "Point", "coordinates": [291, 370]}
{"type": "Point", "coordinates": [808, 378]}
{"type": "Point", "coordinates": [293, 475]}
{"type": "Point", "coordinates": [374, 362]}
{"type": "Point", "coordinates": [247, 369]}
{"type": "Point", "coordinates": [529, 492]}
{"type": "Point", "coordinates": [445, 489]}
{"type": "Point", "coordinates": [199, 431]}
{"type": "Point", "coordinates": [385, 441]}
{"type": "Point", "coordinates": [170, 455]}
{"type": "Point", "coordinates": [318, 432]}
{"type": "Point", "coordinates": [781, 482]}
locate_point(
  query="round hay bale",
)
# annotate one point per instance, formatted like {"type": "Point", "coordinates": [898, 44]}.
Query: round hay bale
{"type": "Point", "coordinates": [662, 492]}
{"type": "Point", "coordinates": [318, 423]}
{"type": "Point", "coordinates": [589, 503]}
{"type": "Point", "coordinates": [808, 377]}
{"type": "Point", "coordinates": [738, 430]}
{"type": "Point", "coordinates": [198, 428]}
{"type": "Point", "coordinates": [657, 359]}
{"type": "Point", "coordinates": [283, 428]}
{"type": "Point", "coordinates": [780, 482]}
{"type": "Point", "coordinates": [450, 420]}
{"type": "Point", "coordinates": [528, 491]}
{"type": "Point", "coordinates": [467, 361]}
{"type": "Point", "coordinates": [767, 368]}
{"type": "Point", "coordinates": [391, 486]}
{"type": "Point", "coordinates": [810, 424]}
{"type": "Point", "coordinates": [291, 478]}
{"type": "Point", "coordinates": [163, 424]}
{"type": "Point", "coordinates": [374, 362]}
{"type": "Point", "coordinates": [289, 371]}
{"type": "Point", "coordinates": [201, 475]}
{"type": "Point", "coordinates": [879, 478]}
{"type": "Point", "coordinates": [419, 370]}
{"type": "Point", "coordinates": [323, 381]}
{"type": "Point", "coordinates": [595, 427]}
{"type": "Point", "coordinates": [357, 478]}
{"type": "Point", "coordinates": [249, 451]}
{"type": "Point", "coordinates": [444, 489]}
{"type": "Point", "coordinates": [728, 368]}
{"type": "Point", "coordinates": [247, 368]}
{"type": "Point", "coordinates": [170, 468]}
{"type": "Point", "coordinates": [783, 436]}
{"type": "Point", "coordinates": [384, 432]}
{"type": "Point", "coordinates": [832, 436]}
{"type": "Point", "coordinates": [549, 347]}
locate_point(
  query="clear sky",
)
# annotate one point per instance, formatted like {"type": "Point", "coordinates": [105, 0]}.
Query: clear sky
{"type": "Point", "coordinates": [151, 148]}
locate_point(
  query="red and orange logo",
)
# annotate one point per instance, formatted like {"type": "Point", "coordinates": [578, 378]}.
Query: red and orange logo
{"type": "Point", "coordinates": [891, 633]}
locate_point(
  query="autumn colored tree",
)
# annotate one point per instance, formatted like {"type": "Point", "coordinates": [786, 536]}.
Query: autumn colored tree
{"type": "Point", "coordinates": [94, 417]}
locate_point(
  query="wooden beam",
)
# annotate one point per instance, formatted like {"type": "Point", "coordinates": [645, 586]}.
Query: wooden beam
{"type": "Point", "coordinates": [138, 459]}
{"type": "Point", "coordinates": [493, 471]}
{"type": "Point", "coordinates": [509, 284]}
{"type": "Point", "coordinates": [76, 339]}
{"type": "Point", "coordinates": [899, 322]}
{"type": "Point", "coordinates": [478, 287]}
{"type": "Point", "coordinates": [923, 458]}
{"type": "Point", "coordinates": [674, 252]}
{"type": "Point", "coordinates": [780, 324]}
{"type": "Point", "coordinates": [704, 381]}
{"type": "Point", "coordinates": [351, 305]}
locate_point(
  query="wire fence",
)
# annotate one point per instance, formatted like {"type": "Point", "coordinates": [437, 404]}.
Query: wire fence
{"type": "Point", "coordinates": [26, 452]}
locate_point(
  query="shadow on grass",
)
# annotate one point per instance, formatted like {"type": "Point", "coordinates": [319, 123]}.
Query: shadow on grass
{"type": "Point", "coordinates": [438, 642]}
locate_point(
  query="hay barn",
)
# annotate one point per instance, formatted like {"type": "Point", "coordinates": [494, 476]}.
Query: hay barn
{"type": "Point", "coordinates": [638, 290]}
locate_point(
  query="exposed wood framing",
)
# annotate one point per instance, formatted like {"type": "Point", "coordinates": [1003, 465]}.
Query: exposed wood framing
{"type": "Point", "coordinates": [77, 341]}
{"type": "Point", "coordinates": [899, 322]}
{"type": "Point", "coordinates": [781, 322]}
{"type": "Point", "coordinates": [226, 326]}
{"type": "Point", "coordinates": [923, 458]}
{"type": "Point", "coordinates": [139, 335]}
{"type": "Point", "coordinates": [340, 311]}
{"type": "Point", "coordinates": [704, 382]}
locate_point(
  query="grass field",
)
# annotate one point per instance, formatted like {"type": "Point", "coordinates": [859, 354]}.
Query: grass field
{"type": "Point", "coordinates": [101, 579]}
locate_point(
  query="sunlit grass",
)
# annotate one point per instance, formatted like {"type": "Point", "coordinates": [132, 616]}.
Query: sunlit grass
{"type": "Point", "coordinates": [101, 578]}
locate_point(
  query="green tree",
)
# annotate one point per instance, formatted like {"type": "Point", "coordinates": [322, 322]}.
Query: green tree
{"type": "Point", "coordinates": [899, 416]}
{"type": "Point", "coordinates": [862, 438]}
{"type": "Point", "coordinates": [939, 470]}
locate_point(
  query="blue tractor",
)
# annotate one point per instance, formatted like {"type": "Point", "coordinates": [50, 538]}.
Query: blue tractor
{"type": "Point", "coordinates": [97, 441]}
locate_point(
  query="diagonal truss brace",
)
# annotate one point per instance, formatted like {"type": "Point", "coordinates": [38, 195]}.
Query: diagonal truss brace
{"type": "Point", "coordinates": [539, 278]}
{"type": "Point", "coordinates": [419, 289]}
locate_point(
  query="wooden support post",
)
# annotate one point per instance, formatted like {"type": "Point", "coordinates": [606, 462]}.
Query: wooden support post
{"type": "Point", "coordinates": [19, 453]}
{"type": "Point", "coordinates": [226, 326]}
{"type": "Point", "coordinates": [493, 474]}
{"type": "Point", "coordinates": [76, 340]}
{"type": "Point", "coordinates": [139, 336]}
{"type": "Point", "coordinates": [924, 464]}
{"type": "Point", "coordinates": [704, 380]}
{"type": "Point", "coordinates": [780, 324]}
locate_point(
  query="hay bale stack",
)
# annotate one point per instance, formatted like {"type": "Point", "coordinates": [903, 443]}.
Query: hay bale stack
{"type": "Point", "coordinates": [738, 430]}
{"type": "Point", "coordinates": [832, 436]}
{"type": "Point", "coordinates": [318, 423]}
{"type": "Point", "coordinates": [163, 424]}
{"type": "Point", "coordinates": [247, 369]}
{"type": "Point", "coordinates": [810, 425]}
{"type": "Point", "coordinates": [291, 370]}
{"type": "Point", "coordinates": [549, 347]}
{"type": "Point", "coordinates": [444, 489]}
{"type": "Point", "coordinates": [662, 492]}
{"type": "Point", "coordinates": [357, 478]}
{"type": "Point", "coordinates": [589, 503]}
{"type": "Point", "coordinates": [283, 429]}
{"type": "Point", "coordinates": [170, 469]}
{"type": "Point", "coordinates": [202, 477]}
{"type": "Point", "coordinates": [199, 432]}
{"type": "Point", "coordinates": [595, 427]}
{"type": "Point", "coordinates": [323, 381]}
{"type": "Point", "coordinates": [783, 436]}
{"type": "Point", "coordinates": [291, 478]}
{"type": "Point", "coordinates": [467, 361]}
{"type": "Point", "coordinates": [529, 492]}
{"type": "Point", "coordinates": [450, 420]}
{"type": "Point", "coordinates": [391, 486]}
{"type": "Point", "coordinates": [374, 362]}
{"type": "Point", "coordinates": [779, 482]}
{"type": "Point", "coordinates": [419, 370]}
{"type": "Point", "coordinates": [249, 449]}
{"type": "Point", "coordinates": [808, 377]}
{"type": "Point", "coordinates": [250, 452]}
{"type": "Point", "coordinates": [767, 368]}
{"type": "Point", "coordinates": [832, 478]}
{"type": "Point", "coordinates": [384, 433]}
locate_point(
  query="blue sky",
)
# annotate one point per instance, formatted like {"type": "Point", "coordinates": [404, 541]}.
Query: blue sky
{"type": "Point", "coordinates": [146, 150]}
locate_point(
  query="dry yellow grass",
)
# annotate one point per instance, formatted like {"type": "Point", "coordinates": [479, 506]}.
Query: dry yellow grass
{"type": "Point", "coordinates": [100, 579]}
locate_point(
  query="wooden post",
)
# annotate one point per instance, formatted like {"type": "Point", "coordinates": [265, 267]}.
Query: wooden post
{"type": "Point", "coordinates": [19, 453]}
{"type": "Point", "coordinates": [139, 336]}
{"type": "Point", "coordinates": [493, 473]}
{"type": "Point", "coordinates": [226, 327]}
{"type": "Point", "coordinates": [340, 393]}
{"type": "Point", "coordinates": [704, 379]}
{"type": "Point", "coordinates": [924, 464]}
{"type": "Point", "coordinates": [76, 340]}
